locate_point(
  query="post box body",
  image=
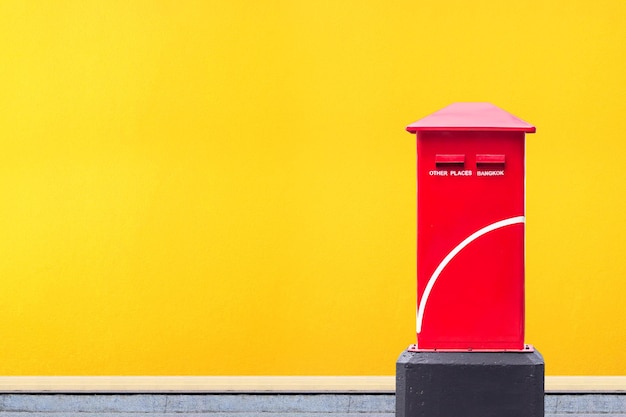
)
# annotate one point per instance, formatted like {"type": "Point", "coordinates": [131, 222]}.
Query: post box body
{"type": "Point", "coordinates": [470, 234]}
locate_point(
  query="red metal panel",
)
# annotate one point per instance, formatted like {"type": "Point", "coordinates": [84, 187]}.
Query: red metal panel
{"type": "Point", "coordinates": [471, 241]}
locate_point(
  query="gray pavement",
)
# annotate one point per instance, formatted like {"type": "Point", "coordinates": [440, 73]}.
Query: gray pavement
{"type": "Point", "coordinates": [263, 405]}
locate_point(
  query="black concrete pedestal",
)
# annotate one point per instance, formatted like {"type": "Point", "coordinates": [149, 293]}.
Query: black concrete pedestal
{"type": "Point", "coordinates": [469, 384]}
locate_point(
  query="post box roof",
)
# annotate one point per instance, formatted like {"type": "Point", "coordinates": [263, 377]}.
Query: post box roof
{"type": "Point", "coordinates": [471, 116]}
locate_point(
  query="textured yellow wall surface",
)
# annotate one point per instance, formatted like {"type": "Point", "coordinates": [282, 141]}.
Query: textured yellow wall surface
{"type": "Point", "coordinates": [226, 187]}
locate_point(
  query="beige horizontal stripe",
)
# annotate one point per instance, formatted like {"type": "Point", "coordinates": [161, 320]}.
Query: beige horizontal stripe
{"type": "Point", "coordinates": [586, 383]}
{"type": "Point", "coordinates": [196, 383]}
{"type": "Point", "coordinates": [161, 384]}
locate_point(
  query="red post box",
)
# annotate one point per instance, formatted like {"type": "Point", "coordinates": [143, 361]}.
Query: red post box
{"type": "Point", "coordinates": [470, 228]}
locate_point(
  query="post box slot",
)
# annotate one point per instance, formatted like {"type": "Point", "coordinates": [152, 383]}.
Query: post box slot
{"type": "Point", "coordinates": [449, 159]}
{"type": "Point", "coordinates": [489, 160]}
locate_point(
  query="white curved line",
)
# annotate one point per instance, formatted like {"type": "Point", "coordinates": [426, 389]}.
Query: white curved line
{"type": "Point", "coordinates": [452, 254]}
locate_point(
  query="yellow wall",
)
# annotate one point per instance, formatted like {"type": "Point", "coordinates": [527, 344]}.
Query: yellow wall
{"type": "Point", "coordinates": [226, 187]}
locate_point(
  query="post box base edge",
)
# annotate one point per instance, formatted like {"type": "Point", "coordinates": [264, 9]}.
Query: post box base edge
{"type": "Point", "coordinates": [470, 384]}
